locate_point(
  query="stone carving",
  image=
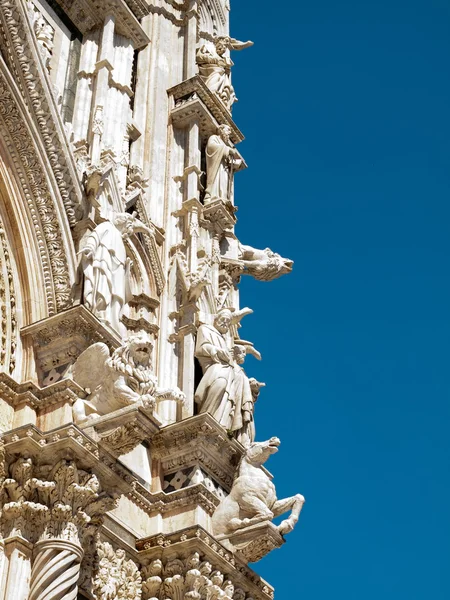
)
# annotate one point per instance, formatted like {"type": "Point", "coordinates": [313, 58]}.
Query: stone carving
{"type": "Point", "coordinates": [264, 265]}
{"type": "Point", "coordinates": [58, 508]}
{"type": "Point", "coordinates": [215, 67]}
{"type": "Point", "coordinates": [253, 499]}
{"type": "Point", "coordinates": [20, 56]}
{"type": "Point", "coordinates": [190, 578]}
{"type": "Point", "coordinates": [116, 577]}
{"type": "Point", "coordinates": [224, 391]}
{"type": "Point", "coordinates": [119, 380]}
{"type": "Point", "coordinates": [246, 435]}
{"type": "Point", "coordinates": [222, 160]}
{"type": "Point", "coordinates": [106, 267]}
{"type": "Point", "coordinates": [8, 308]}
{"type": "Point", "coordinates": [39, 200]}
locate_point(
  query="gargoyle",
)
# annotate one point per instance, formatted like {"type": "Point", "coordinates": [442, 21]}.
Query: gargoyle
{"type": "Point", "coordinates": [253, 498]}
{"type": "Point", "coordinates": [264, 265]}
{"type": "Point", "coordinates": [119, 380]}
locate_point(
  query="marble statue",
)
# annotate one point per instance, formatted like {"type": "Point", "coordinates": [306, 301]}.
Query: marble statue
{"type": "Point", "coordinates": [246, 434]}
{"type": "Point", "coordinates": [106, 268]}
{"type": "Point", "coordinates": [119, 380]}
{"type": "Point", "coordinates": [224, 391]}
{"type": "Point", "coordinates": [253, 499]}
{"type": "Point", "coordinates": [222, 160]}
{"type": "Point", "coordinates": [215, 67]}
{"type": "Point", "coordinates": [264, 265]}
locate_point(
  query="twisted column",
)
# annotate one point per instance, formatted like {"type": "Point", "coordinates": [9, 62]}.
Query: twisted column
{"type": "Point", "coordinates": [55, 571]}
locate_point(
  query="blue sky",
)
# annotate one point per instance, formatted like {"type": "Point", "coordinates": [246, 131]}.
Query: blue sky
{"type": "Point", "coordinates": [346, 111]}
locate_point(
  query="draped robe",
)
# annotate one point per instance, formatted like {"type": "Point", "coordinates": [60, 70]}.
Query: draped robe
{"type": "Point", "coordinates": [224, 389]}
{"type": "Point", "coordinates": [106, 276]}
{"type": "Point", "coordinates": [217, 168]}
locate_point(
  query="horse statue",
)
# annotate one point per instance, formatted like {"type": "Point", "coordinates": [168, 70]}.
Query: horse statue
{"type": "Point", "coordinates": [252, 499]}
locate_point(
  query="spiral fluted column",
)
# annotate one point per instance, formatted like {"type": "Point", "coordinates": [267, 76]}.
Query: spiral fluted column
{"type": "Point", "coordinates": [55, 570]}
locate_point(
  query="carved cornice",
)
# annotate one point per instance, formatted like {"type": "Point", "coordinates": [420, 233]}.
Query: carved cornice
{"type": "Point", "coordinates": [211, 557]}
{"type": "Point", "coordinates": [198, 440]}
{"type": "Point", "coordinates": [20, 51]}
{"type": "Point", "coordinates": [88, 14]}
{"type": "Point", "coordinates": [69, 442]}
{"type": "Point", "coordinates": [193, 97]}
{"type": "Point", "coordinates": [124, 429]}
{"type": "Point", "coordinates": [161, 503]}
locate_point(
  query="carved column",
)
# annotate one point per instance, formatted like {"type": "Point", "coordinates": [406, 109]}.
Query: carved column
{"type": "Point", "coordinates": [50, 514]}
{"type": "Point", "coordinates": [56, 569]}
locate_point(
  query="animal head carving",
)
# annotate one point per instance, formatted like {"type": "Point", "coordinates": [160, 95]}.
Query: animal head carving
{"type": "Point", "coordinates": [136, 351]}
{"type": "Point", "coordinates": [258, 452]}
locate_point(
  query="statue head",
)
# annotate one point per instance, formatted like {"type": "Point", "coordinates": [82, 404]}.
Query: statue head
{"type": "Point", "coordinates": [239, 353]}
{"type": "Point", "coordinates": [259, 452]}
{"type": "Point", "coordinates": [222, 44]}
{"type": "Point", "coordinates": [223, 320]}
{"type": "Point", "coordinates": [135, 351]}
{"type": "Point", "coordinates": [224, 132]}
{"type": "Point", "coordinates": [124, 223]}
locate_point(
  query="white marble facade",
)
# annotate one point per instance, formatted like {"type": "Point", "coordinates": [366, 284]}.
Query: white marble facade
{"type": "Point", "coordinates": [129, 466]}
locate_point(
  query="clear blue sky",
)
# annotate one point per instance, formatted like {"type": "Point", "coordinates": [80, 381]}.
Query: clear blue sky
{"type": "Point", "coordinates": [346, 109]}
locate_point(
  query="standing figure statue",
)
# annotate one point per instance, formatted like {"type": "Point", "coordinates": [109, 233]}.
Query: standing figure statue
{"type": "Point", "coordinates": [215, 67]}
{"type": "Point", "coordinates": [246, 434]}
{"type": "Point", "coordinates": [106, 268]}
{"type": "Point", "coordinates": [222, 160]}
{"type": "Point", "coordinates": [224, 391]}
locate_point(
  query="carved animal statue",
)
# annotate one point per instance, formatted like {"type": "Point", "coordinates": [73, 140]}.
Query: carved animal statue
{"type": "Point", "coordinates": [253, 497]}
{"type": "Point", "coordinates": [119, 380]}
{"type": "Point", "coordinates": [264, 265]}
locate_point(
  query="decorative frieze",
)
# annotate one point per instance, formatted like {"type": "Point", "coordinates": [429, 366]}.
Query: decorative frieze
{"type": "Point", "coordinates": [192, 562]}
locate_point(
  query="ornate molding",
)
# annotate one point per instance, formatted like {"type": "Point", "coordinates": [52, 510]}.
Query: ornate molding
{"type": "Point", "coordinates": [193, 556]}
{"type": "Point", "coordinates": [162, 503]}
{"type": "Point", "coordinates": [8, 312]}
{"type": "Point", "coordinates": [192, 96]}
{"type": "Point", "coordinates": [199, 441]}
{"type": "Point", "coordinates": [43, 211]}
{"type": "Point", "coordinates": [60, 339]}
{"type": "Point", "coordinates": [88, 14]}
{"type": "Point", "coordinates": [16, 42]}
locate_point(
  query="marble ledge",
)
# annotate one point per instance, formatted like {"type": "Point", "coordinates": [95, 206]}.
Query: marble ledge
{"type": "Point", "coordinates": [194, 100]}
{"type": "Point", "coordinates": [69, 443]}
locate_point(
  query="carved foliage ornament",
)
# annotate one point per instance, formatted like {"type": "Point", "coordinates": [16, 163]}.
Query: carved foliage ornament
{"type": "Point", "coordinates": [116, 578]}
{"type": "Point", "coordinates": [51, 502]}
{"type": "Point", "coordinates": [39, 200]}
{"type": "Point", "coordinates": [8, 317]}
{"type": "Point", "coordinates": [22, 62]}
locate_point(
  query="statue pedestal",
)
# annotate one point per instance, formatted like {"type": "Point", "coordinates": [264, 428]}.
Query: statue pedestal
{"type": "Point", "coordinates": [254, 542]}
{"type": "Point", "coordinates": [59, 340]}
{"type": "Point", "coordinates": [123, 430]}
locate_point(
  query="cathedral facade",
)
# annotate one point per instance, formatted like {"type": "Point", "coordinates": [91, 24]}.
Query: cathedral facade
{"type": "Point", "coordinates": [129, 466]}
